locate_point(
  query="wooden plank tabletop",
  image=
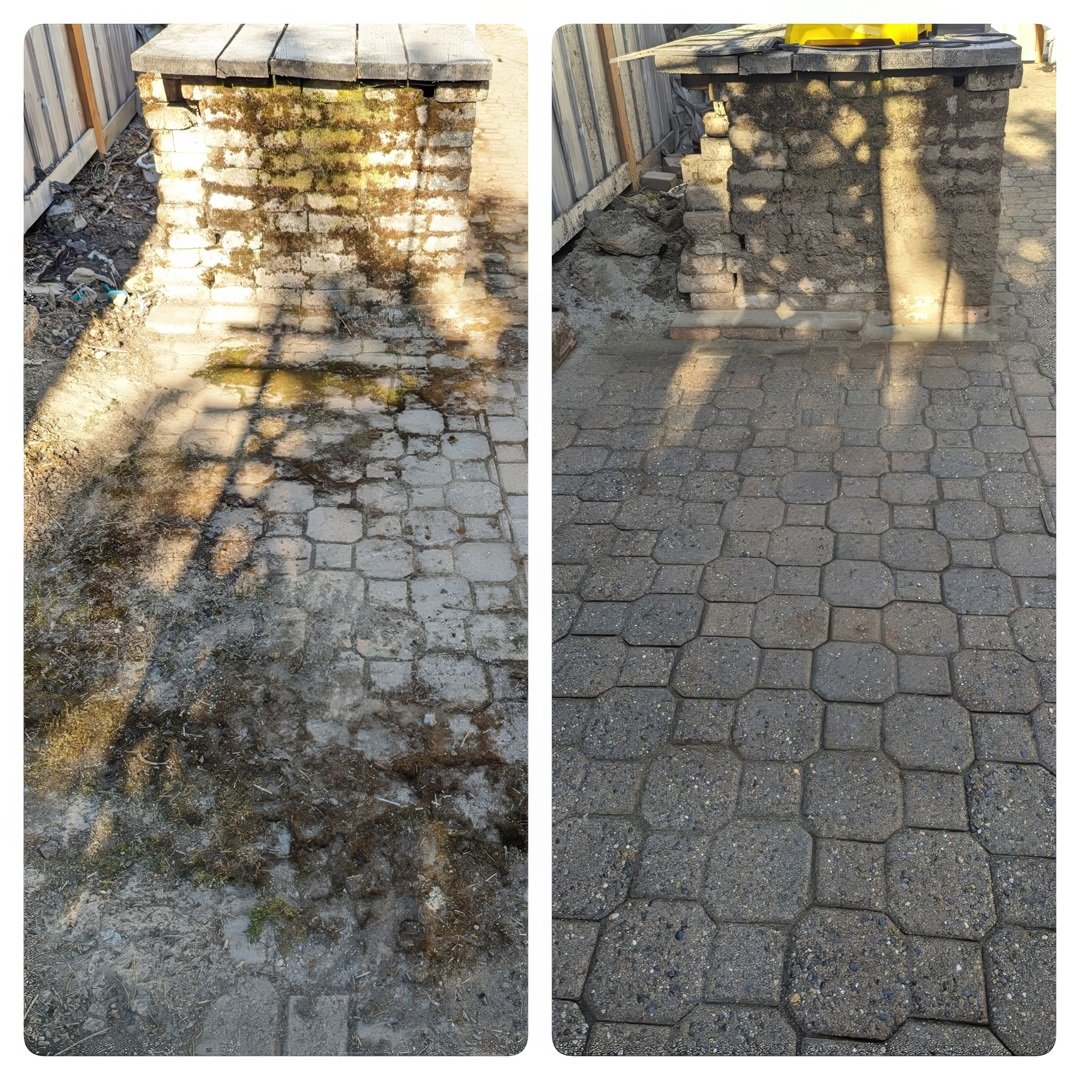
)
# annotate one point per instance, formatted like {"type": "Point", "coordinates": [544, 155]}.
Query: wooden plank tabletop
{"type": "Point", "coordinates": [380, 52]}
{"type": "Point", "coordinates": [317, 52]}
{"type": "Point", "coordinates": [248, 54]}
{"type": "Point", "coordinates": [184, 49]}
{"type": "Point", "coordinates": [343, 52]}
{"type": "Point", "coordinates": [437, 52]}
{"type": "Point", "coordinates": [759, 49]}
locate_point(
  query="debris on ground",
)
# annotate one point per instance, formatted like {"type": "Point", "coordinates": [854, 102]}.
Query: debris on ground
{"type": "Point", "coordinates": [623, 265]}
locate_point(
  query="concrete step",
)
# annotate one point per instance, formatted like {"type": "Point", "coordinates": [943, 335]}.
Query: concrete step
{"type": "Point", "coordinates": [701, 325]}
{"type": "Point", "coordinates": [707, 325]}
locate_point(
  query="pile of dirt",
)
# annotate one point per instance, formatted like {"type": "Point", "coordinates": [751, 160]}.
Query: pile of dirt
{"type": "Point", "coordinates": [623, 266]}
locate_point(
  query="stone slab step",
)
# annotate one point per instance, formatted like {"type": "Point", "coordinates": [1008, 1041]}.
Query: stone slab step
{"type": "Point", "coordinates": [700, 325]}
{"type": "Point", "coordinates": [931, 332]}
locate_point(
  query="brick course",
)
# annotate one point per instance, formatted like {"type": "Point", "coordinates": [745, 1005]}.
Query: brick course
{"type": "Point", "coordinates": [884, 189]}
{"type": "Point", "coordinates": [288, 194]}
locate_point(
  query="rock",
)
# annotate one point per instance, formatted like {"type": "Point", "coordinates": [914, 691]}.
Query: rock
{"type": "Point", "coordinates": [622, 231]}
{"type": "Point", "coordinates": [657, 180]}
{"type": "Point", "coordinates": [31, 321]}
{"type": "Point", "coordinates": [563, 339]}
{"type": "Point", "coordinates": [62, 217]}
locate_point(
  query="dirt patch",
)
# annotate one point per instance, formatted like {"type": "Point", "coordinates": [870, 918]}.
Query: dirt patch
{"type": "Point", "coordinates": [600, 287]}
{"type": "Point", "coordinates": [217, 784]}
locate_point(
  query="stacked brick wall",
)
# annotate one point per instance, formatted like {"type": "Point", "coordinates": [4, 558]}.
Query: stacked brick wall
{"type": "Point", "coordinates": [307, 197]}
{"type": "Point", "coordinates": [844, 193]}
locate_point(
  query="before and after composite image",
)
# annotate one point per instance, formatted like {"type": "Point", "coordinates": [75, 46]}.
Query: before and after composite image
{"type": "Point", "coordinates": [280, 744]}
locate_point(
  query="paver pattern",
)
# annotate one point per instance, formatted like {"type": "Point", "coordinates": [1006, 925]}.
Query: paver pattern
{"type": "Point", "coordinates": [804, 693]}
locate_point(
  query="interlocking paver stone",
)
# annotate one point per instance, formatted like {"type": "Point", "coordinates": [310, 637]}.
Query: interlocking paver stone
{"type": "Point", "coordinates": [849, 874]}
{"type": "Point", "coordinates": [947, 980]}
{"type": "Point", "coordinates": [662, 620]}
{"type": "Point", "coordinates": [791, 622]}
{"type": "Point", "coordinates": [584, 786]}
{"type": "Point", "coordinates": [672, 866]}
{"type": "Point", "coordinates": [978, 591]}
{"type": "Point", "coordinates": [1020, 988]}
{"type": "Point", "coordinates": [852, 727]}
{"type": "Point", "coordinates": [738, 580]}
{"type": "Point", "coordinates": [808, 487]}
{"type": "Point", "coordinates": [1034, 630]}
{"type": "Point", "coordinates": [1012, 808]}
{"type": "Point", "coordinates": [857, 515]}
{"type": "Point", "coordinates": [860, 461]}
{"type": "Point", "coordinates": [958, 464]}
{"type": "Point", "coordinates": [907, 437]}
{"type": "Point", "coordinates": [750, 514]}
{"type": "Point", "coordinates": [1026, 554]}
{"type": "Point", "coordinates": [628, 723]}
{"type": "Point", "coordinates": [920, 628]}
{"type": "Point", "coordinates": [650, 962]}
{"type": "Point", "coordinates": [703, 721]}
{"type": "Point", "coordinates": [759, 871]}
{"type": "Point", "coordinates": [939, 883]}
{"type": "Point", "coordinates": [690, 788]}
{"type": "Point", "coordinates": [769, 789]}
{"type": "Point", "coordinates": [852, 795]}
{"type": "Point", "coordinates": [961, 519]}
{"type": "Point", "coordinates": [727, 620]}
{"type": "Point", "coordinates": [716, 667]}
{"type": "Point", "coordinates": [995, 680]}
{"type": "Point", "coordinates": [918, 1038]}
{"type": "Point", "coordinates": [585, 667]}
{"type": "Point", "coordinates": [695, 544]}
{"type": "Point", "coordinates": [1004, 737]}
{"type": "Point", "coordinates": [628, 1040]}
{"type": "Point", "coordinates": [847, 974]}
{"type": "Point", "coordinates": [1012, 489]}
{"type": "Point", "coordinates": [734, 1030]}
{"type": "Point", "coordinates": [924, 732]}
{"type": "Point", "coordinates": [778, 725]}
{"type": "Point", "coordinates": [607, 579]}
{"type": "Point", "coordinates": [1025, 890]}
{"type": "Point", "coordinates": [821, 1047]}
{"type": "Point", "coordinates": [801, 545]}
{"type": "Point", "coordinates": [910, 489]}
{"type": "Point", "coordinates": [585, 883]}
{"type": "Point", "coordinates": [855, 583]}
{"type": "Point", "coordinates": [934, 800]}
{"type": "Point", "coordinates": [747, 965]}
{"type": "Point", "coordinates": [914, 549]}
{"type": "Point", "coordinates": [846, 671]}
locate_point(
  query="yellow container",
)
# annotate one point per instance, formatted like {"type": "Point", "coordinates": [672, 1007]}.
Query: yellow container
{"type": "Point", "coordinates": [854, 33]}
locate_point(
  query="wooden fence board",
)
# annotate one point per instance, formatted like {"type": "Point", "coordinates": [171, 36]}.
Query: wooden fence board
{"type": "Point", "coordinates": [596, 152]}
{"type": "Point", "coordinates": [59, 101]}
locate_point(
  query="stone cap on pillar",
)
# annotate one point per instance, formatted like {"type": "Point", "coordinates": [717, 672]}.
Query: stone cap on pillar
{"type": "Point", "coordinates": [759, 49]}
{"type": "Point", "coordinates": [344, 53]}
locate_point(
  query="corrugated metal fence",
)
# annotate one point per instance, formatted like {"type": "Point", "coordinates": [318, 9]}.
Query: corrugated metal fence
{"type": "Point", "coordinates": [588, 167]}
{"type": "Point", "coordinates": [59, 136]}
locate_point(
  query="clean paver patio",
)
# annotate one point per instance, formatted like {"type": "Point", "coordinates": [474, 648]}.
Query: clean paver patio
{"type": "Point", "coordinates": [804, 685]}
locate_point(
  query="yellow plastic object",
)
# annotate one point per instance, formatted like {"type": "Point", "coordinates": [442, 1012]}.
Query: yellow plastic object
{"type": "Point", "coordinates": [854, 33]}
